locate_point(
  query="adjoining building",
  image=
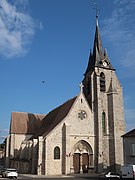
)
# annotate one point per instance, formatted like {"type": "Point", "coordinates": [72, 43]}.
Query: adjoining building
{"type": "Point", "coordinates": [129, 147]}
{"type": "Point", "coordinates": [22, 127]}
{"type": "Point", "coordinates": [81, 135]}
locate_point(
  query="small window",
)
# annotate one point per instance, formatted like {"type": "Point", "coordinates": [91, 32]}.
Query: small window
{"type": "Point", "coordinates": [102, 82]}
{"type": "Point", "coordinates": [103, 123]}
{"type": "Point", "coordinates": [56, 152]}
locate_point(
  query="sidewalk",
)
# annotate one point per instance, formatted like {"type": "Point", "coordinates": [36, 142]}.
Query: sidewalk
{"type": "Point", "coordinates": [29, 176]}
{"type": "Point", "coordinates": [59, 176]}
{"type": "Point", "coordinates": [44, 176]}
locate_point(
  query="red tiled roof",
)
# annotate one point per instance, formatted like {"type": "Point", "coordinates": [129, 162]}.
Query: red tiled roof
{"type": "Point", "coordinates": [25, 123]}
{"type": "Point", "coordinates": [130, 134]}
{"type": "Point", "coordinates": [53, 118]}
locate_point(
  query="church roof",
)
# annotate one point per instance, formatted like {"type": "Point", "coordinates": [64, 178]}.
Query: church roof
{"type": "Point", "coordinates": [25, 123]}
{"type": "Point", "coordinates": [130, 134]}
{"type": "Point", "coordinates": [53, 118]}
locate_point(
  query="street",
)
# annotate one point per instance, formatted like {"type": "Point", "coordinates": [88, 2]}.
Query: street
{"type": "Point", "coordinates": [70, 177]}
{"type": "Point", "coordinates": [62, 177]}
{"type": "Point", "coordinates": [55, 178]}
{"type": "Point", "coordinates": [58, 177]}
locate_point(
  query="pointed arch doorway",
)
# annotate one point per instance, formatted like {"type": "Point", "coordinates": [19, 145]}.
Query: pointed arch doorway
{"type": "Point", "coordinates": [82, 157]}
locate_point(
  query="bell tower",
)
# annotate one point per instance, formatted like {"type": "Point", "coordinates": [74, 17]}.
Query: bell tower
{"type": "Point", "coordinates": [104, 94]}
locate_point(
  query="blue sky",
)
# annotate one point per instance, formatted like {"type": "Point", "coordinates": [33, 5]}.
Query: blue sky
{"type": "Point", "coordinates": [50, 41]}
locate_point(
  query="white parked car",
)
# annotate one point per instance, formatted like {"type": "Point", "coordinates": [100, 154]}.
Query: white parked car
{"type": "Point", "coordinates": [127, 171]}
{"type": "Point", "coordinates": [9, 172]}
{"type": "Point", "coordinates": [111, 175]}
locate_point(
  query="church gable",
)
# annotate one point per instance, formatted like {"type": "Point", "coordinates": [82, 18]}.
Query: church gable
{"type": "Point", "coordinates": [80, 117]}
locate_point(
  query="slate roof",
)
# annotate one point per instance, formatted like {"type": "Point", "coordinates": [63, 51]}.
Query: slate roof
{"type": "Point", "coordinates": [53, 118]}
{"type": "Point", "coordinates": [130, 134]}
{"type": "Point", "coordinates": [25, 123]}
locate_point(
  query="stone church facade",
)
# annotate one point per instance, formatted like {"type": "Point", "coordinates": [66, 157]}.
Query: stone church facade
{"type": "Point", "coordinates": [82, 135]}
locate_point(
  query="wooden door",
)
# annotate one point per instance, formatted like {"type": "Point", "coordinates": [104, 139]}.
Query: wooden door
{"type": "Point", "coordinates": [76, 162]}
{"type": "Point", "coordinates": [85, 162]}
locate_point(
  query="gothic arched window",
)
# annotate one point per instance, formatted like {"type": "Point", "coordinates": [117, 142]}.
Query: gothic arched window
{"type": "Point", "coordinates": [102, 82]}
{"type": "Point", "coordinates": [103, 123]}
{"type": "Point", "coordinates": [56, 152]}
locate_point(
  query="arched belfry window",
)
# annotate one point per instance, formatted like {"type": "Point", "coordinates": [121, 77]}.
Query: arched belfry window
{"type": "Point", "coordinates": [103, 123]}
{"type": "Point", "coordinates": [102, 82]}
{"type": "Point", "coordinates": [56, 152]}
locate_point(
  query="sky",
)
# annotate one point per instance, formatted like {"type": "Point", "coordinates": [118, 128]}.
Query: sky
{"type": "Point", "coordinates": [44, 50]}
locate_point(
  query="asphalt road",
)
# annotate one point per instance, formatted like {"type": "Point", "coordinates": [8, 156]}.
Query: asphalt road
{"type": "Point", "coordinates": [61, 178]}
{"type": "Point", "coordinates": [64, 178]}
{"type": "Point", "coordinates": [83, 177]}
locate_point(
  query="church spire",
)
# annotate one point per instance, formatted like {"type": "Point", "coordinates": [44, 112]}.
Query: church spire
{"type": "Point", "coordinates": [97, 42]}
{"type": "Point", "coordinates": [99, 57]}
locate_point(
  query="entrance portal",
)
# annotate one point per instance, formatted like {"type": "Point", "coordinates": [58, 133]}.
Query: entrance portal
{"type": "Point", "coordinates": [82, 157]}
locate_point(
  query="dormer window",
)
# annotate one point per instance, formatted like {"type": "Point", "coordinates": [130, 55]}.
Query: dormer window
{"type": "Point", "coordinates": [102, 82]}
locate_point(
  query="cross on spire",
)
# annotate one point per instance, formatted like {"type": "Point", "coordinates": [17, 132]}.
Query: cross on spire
{"type": "Point", "coordinates": [97, 11]}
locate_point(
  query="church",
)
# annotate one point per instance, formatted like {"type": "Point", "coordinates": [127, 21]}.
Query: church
{"type": "Point", "coordinates": [83, 135]}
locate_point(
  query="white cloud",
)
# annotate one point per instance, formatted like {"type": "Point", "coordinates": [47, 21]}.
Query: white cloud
{"type": "Point", "coordinates": [16, 28]}
{"type": "Point", "coordinates": [41, 26]}
{"type": "Point", "coordinates": [120, 30]}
